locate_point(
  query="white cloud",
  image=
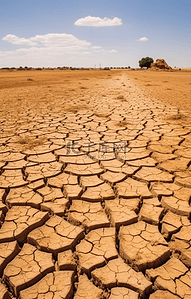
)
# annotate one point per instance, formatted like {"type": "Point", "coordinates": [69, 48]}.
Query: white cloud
{"type": "Point", "coordinates": [99, 51]}
{"type": "Point", "coordinates": [59, 39]}
{"type": "Point", "coordinates": [98, 22]}
{"type": "Point", "coordinates": [50, 39]}
{"type": "Point", "coordinates": [51, 49]}
{"type": "Point", "coordinates": [85, 53]}
{"type": "Point", "coordinates": [143, 39]}
{"type": "Point", "coordinates": [96, 47]}
{"type": "Point", "coordinates": [15, 40]}
{"type": "Point", "coordinates": [113, 51]}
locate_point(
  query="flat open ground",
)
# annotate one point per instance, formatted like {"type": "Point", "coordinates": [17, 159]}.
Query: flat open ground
{"type": "Point", "coordinates": [95, 184]}
{"type": "Point", "coordinates": [173, 88]}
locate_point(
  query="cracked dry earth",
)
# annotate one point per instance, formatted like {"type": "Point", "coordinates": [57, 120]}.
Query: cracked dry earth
{"type": "Point", "coordinates": [95, 200]}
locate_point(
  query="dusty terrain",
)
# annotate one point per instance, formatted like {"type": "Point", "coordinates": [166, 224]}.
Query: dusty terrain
{"type": "Point", "coordinates": [173, 88]}
{"type": "Point", "coordinates": [95, 185]}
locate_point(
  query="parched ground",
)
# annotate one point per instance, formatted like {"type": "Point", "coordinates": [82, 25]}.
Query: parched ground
{"type": "Point", "coordinates": [173, 88]}
{"type": "Point", "coordinates": [95, 186]}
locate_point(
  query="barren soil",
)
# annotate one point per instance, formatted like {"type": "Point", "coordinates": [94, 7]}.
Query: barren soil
{"type": "Point", "coordinates": [95, 185]}
{"type": "Point", "coordinates": [173, 87]}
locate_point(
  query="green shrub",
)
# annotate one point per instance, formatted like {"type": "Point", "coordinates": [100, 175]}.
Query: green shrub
{"type": "Point", "coordinates": [146, 62]}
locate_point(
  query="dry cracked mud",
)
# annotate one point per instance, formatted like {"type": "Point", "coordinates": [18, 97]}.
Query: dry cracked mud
{"type": "Point", "coordinates": [95, 191]}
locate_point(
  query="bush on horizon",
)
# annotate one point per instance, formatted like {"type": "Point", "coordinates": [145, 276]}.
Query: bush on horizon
{"type": "Point", "coordinates": [146, 62]}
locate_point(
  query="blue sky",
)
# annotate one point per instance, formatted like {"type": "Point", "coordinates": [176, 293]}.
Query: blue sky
{"type": "Point", "coordinates": [86, 33]}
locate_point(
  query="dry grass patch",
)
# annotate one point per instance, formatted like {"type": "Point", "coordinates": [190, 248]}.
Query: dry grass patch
{"type": "Point", "coordinates": [29, 142]}
{"type": "Point", "coordinates": [176, 116]}
{"type": "Point", "coordinates": [120, 97]}
{"type": "Point", "coordinates": [122, 123]}
{"type": "Point", "coordinates": [76, 108]}
{"type": "Point", "coordinates": [179, 116]}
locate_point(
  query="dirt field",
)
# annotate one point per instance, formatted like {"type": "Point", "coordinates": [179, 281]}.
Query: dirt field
{"type": "Point", "coordinates": [173, 88]}
{"type": "Point", "coordinates": [95, 185]}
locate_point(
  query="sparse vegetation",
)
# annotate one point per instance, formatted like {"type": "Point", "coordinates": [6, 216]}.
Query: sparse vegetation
{"type": "Point", "coordinates": [122, 123]}
{"type": "Point", "coordinates": [146, 62]}
{"type": "Point", "coordinates": [120, 97]}
{"type": "Point", "coordinates": [177, 116]}
{"type": "Point", "coordinates": [75, 109]}
{"type": "Point", "coordinates": [29, 143]}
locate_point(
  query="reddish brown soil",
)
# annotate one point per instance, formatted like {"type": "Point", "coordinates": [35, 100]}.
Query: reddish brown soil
{"type": "Point", "coordinates": [95, 185]}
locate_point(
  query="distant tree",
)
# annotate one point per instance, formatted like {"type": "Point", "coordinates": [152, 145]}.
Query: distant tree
{"type": "Point", "coordinates": [146, 62]}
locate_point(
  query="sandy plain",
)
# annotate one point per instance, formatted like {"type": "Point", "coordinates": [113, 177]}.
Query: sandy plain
{"type": "Point", "coordinates": [173, 87]}
{"type": "Point", "coordinates": [95, 184]}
